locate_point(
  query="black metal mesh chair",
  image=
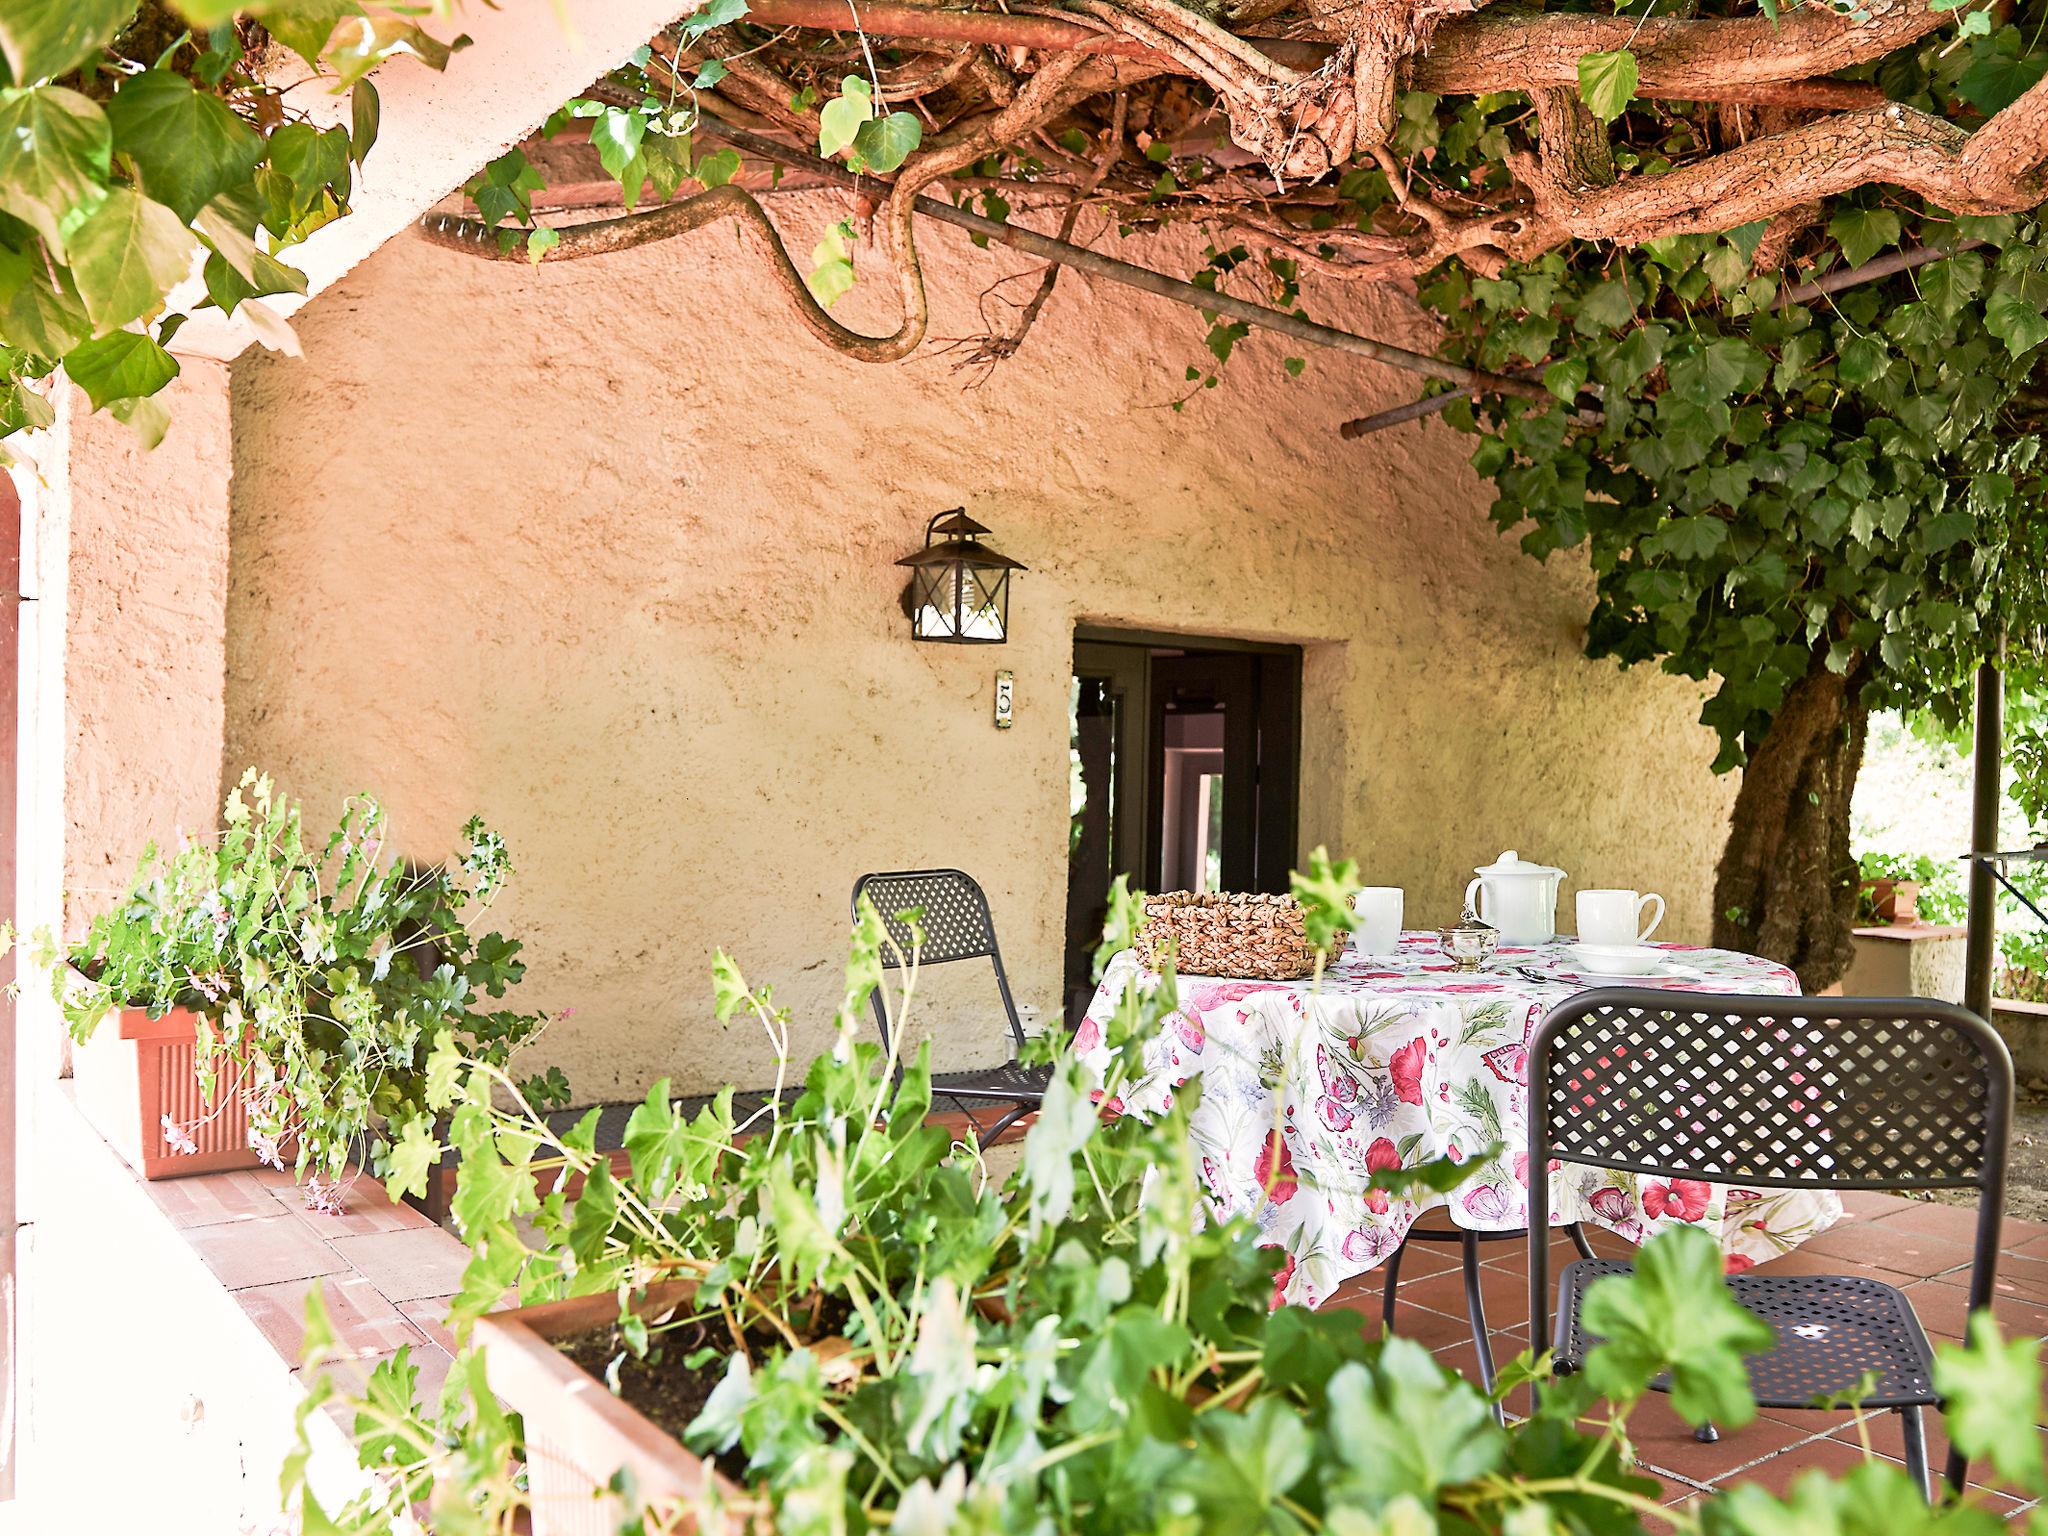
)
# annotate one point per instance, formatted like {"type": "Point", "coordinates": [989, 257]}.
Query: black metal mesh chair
{"type": "Point", "coordinates": [953, 914]}
{"type": "Point", "coordinates": [1780, 1093]}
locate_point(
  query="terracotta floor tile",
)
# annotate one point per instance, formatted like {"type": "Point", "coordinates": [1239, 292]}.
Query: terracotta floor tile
{"type": "Point", "coordinates": [207, 1199]}
{"type": "Point", "coordinates": [409, 1265]}
{"type": "Point", "coordinates": [1464, 1359]}
{"type": "Point", "coordinates": [1504, 1292]}
{"type": "Point", "coordinates": [365, 1208]}
{"type": "Point", "coordinates": [2019, 1277]}
{"type": "Point", "coordinates": [263, 1251]}
{"type": "Point", "coordinates": [430, 1316]}
{"type": "Point", "coordinates": [1866, 1204]}
{"type": "Point", "coordinates": [1777, 1472]}
{"type": "Point", "coordinates": [1665, 1443]}
{"type": "Point", "coordinates": [1943, 1307]}
{"type": "Point", "coordinates": [1885, 1245]}
{"type": "Point", "coordinates": [365, 1323]}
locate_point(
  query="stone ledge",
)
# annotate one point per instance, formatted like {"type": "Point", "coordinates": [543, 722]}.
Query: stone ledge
{"type": "Point", "coordinates": [1912, 933]}
{"type": "Point", "coordinates": [164, 1324]}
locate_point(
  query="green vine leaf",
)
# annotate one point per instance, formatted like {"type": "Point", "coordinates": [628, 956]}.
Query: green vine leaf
{"type": "Point", "coordinates": [119, 366]}
{"type": "Point", "coordinates": [41, 39]}
{"type": "Point", "coordinates": [188, 147]}
{"type": "Point", "coordinates": [1607, 82]}
{"type": "Point", "coordinates": [127, 256]}
{"type": "Point", "coordinates": [56, 151]}
{"type": "Point", "coordinates": [840, 119]}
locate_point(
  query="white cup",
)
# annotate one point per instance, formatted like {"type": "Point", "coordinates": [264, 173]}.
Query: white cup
{"type": "Point", "coordinates": [1615, 918]}
{"type": "Point", "coordinates": [1377, 930]}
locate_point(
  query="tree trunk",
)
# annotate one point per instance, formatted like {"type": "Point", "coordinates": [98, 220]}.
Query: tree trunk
{"type": "Point", "coordinates": [1786, 887]}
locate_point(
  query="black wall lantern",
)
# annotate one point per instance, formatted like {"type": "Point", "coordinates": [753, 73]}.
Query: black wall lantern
{"type": "Point", "coordinates": [959, 587]}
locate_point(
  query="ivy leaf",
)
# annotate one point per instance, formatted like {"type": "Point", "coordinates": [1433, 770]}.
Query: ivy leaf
{"type": "Point", "coordinates": [187, 145]}
{"type": "Point", "coordinates": [365, 117]}
{"type": "Point", "coordinates": [2014, 321]}
{"type": "Point", "coordinates": [119, 366]}
{"type": "Point", "coordinates": [41, 39]}
{"type": "Point", "coordinates": [716, 13]}
{"type": "Point", "coordinates": [1607, 82]}
{"type": "Point", "coordinates": [1995, 80]}
{"type": "Point", "coordinates": [840, 120]}
{"type": "Point", "coordinates": [56, 152]}
{"type": "Point", "coordinates": [304, 26]}
{"type": "Point", "coordinates": [616, 137]}
{"type": "Point", "coordinates": [1410, 1427]}
{"type": "Point", "coordinates": [1992, 1389]}
{"type": "Point", "coordinates": [882, 144]}
{"type": "Point", "coordinates": [1565, 378]}
{"type": "Point", "coordinates": [39, 310]}
{"type": "Point", "coordinates": [831, 272]}
{"type": "Point", "coordinates": [359, 43]}
{"type": "Point", "coordinates": [1863, 232]}
{"type": "Point", "coordinates": [127, 256]}
{"type": "Point", "coordinates": [1949, 285]}
{"type": "Point", "coordinates": [540, 240]}
{"type": "Point", "coordinates": [415, 1153]}
{"type": "Point", "coordinates": [1675, 1313]}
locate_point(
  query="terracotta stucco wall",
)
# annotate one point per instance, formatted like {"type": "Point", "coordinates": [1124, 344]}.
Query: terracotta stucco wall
{"type": "Point", "coordinates": [604, 551]}
{"type": "Point", "coordinates": [134, 556]}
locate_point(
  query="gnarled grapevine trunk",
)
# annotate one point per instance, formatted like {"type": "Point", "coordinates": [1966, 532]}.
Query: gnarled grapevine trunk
{"type": "Point", "coordinates": [1786, 887]}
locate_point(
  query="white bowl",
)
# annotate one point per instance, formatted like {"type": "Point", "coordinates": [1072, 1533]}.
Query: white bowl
{"type": "Point", "coordinates": [1616, 959]}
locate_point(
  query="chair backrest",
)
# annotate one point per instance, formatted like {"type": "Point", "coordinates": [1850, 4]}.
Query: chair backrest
{"type": "Point", "coordinates": [1774, 1092]}
{"type": "Point", "coordinates": [954, 919]}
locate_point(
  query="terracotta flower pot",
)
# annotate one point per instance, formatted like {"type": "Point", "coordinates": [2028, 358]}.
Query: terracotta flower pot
{"type": "Point", "coordinates": [1895, 901]}
{"type": "Point", "coordinates": [579, 1436]}
{"type": "Point", "coordinates": [135, 1072]}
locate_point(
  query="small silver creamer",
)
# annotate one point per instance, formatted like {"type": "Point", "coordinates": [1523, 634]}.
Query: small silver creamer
{"type": "Point", "coordinates": [1468, 941]}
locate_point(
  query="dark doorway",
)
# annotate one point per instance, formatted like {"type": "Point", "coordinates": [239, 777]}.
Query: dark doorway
{"type": "Point", "coordinates": [1185, 765]}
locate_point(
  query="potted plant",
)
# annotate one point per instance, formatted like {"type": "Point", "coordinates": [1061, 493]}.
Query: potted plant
{"type": "Point", "coordinates": [833, 1319]}
{"type": "Point", "coordinates": [253, 999]}
{"type": "Point", "coordinates": [1889, 887]}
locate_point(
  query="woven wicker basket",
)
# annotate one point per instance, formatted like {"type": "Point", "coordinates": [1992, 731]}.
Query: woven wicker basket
{"type": "Point", "coordinates": [1256, 936]}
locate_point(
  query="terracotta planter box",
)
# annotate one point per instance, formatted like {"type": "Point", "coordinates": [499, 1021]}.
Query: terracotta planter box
{"type": "Point", "coordinates": [133, 1072]}
{"type": "Point", "coordinates": [579, 1436]}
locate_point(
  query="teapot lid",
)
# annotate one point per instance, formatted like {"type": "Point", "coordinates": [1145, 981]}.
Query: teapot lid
{"type": "Point", "coordinates": [1471, 922]}
{"type": "Point", "coordinates": [1512, 863]}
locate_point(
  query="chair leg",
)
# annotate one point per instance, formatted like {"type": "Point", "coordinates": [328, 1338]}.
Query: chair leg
{"type": "Point", "coordinates": [1913, 1429]}
{"type": "Point", "coordinates": [1475, 1312]}
{"type": "Point", "coordinates": [1005, 1123]}
{"type": "Point", "coordinates": [1393, 1281]}
{"type": "Point", "coordinates": [1956, 1472]}
{"type": "Point", "coordinates": [1578, 1237]}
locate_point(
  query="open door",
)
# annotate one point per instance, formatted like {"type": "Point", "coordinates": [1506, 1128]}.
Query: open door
{"type": "Point", "coordinates": [1185, 764]}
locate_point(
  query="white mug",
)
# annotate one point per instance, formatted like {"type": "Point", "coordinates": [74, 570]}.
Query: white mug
{"type": "Point", "coordinates": [1377, 926]}
{"type": "Point", "coordinates": [1615, 918]}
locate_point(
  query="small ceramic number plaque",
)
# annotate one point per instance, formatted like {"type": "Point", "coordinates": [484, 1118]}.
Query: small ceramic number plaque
{"type": "Point", "coordinates": [1005, 687]}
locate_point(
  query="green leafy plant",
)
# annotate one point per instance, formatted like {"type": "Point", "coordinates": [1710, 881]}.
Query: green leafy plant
{"type": "Point", "coordinates": [320, 977]}
{"type": "Point", "coordinates": [886, 1335]}
{"type": "Point", "coordinates": [141, 144]}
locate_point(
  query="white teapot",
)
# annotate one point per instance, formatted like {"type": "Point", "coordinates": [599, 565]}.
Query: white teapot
{"type": "Point", "coordinates": [1518, 898]}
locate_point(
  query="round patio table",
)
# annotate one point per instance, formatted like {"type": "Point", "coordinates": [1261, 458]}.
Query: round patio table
{"type": "Point", "coordinates": [1398, 1060]}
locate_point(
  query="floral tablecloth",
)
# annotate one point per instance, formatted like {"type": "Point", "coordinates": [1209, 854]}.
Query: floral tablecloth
{"type": "Point", "coordinates": [1398, 1061]}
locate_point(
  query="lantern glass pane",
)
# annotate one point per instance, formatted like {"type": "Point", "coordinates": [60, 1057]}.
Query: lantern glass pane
{"type": "Point", "coordinates": [934, 597]}
{"type": "Point", "coordinates": [984, 597]}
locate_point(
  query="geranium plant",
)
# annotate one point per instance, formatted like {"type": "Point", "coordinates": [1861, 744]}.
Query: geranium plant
{"type": "Point", "coordinates": [882, 1333]}
{"type": "Point", "coordinates": [320, 977]}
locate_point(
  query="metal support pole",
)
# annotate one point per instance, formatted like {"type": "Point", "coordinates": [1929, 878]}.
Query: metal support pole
{"type": "Point", "coordinates": [1985, 787]}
